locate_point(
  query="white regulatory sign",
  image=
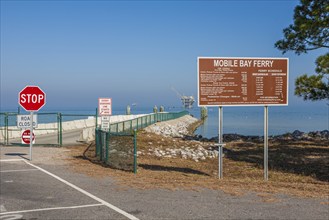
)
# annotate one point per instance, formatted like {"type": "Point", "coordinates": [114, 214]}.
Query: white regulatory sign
{"type": "Point", "coordinates": [104, 106]}
{"type": "Point", "coordinates": [106, 118]}
{"type": "Point", "coordinates": [105, 125]}
{"type": "Point", "coordinates": [24, 121]}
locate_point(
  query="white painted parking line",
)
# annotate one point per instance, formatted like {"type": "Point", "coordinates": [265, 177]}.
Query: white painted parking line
{"type": "Point", "coordinates": [24, 170]}
{"type": "Point", "coordinates": [11, 160]}
{"type": "Point", "coordinates": [49, 209]}
{"type": "Point", "coordinates": [2, 208]}
{"type": "Point", "coordinates": [85, 192]}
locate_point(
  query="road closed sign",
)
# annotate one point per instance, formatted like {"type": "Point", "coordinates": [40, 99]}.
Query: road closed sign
{"type": "Point", "coordinates": [24, 121]}
{"type": "Point", "coordinates": [245, 81]}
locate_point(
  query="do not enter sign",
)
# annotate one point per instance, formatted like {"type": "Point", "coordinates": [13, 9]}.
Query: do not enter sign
{"type": "Point", "coordinates": [32, 98]}
{"type": "Point", "coordinates": [26, 137]}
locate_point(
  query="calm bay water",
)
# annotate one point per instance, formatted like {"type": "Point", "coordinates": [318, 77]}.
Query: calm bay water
{"type": "Point", "coordinates": [240, 120]}
{"type": "Point", "coordinates": [250, 120]}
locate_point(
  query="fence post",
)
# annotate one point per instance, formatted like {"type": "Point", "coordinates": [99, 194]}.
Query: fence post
{"type": "Point", "coordinates": [60, 130]}
{"type": "Point", "coordinates": [96, 142]}
{"type": "Point", "coordinates": [107, 136]}
{"type": "Point", "coordinates": [96, 134]}
{"type": "Point", "coordinates": [101, 145]}
{"type": "Point", "coordinates": [135, 151]}
{"type": "Point", "coordinates": [6, 129]}
{"type": "Point", "coordinates": [96, 117]}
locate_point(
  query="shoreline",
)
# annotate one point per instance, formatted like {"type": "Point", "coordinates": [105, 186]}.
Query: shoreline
{"type": "Point", "coordinates": [295, 135]}
{"type": "Point", "coordinates": [187, 126]}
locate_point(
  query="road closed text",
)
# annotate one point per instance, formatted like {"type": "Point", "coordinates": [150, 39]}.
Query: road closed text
{"type": "Point", "coordinates": [24, 121]}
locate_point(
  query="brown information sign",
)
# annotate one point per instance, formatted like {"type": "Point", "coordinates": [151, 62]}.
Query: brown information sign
{"type": "Point", "coordinates": [242, 81]}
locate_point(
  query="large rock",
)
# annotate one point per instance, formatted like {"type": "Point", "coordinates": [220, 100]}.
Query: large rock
{"type": "Point", "coordinates": [177, 128]}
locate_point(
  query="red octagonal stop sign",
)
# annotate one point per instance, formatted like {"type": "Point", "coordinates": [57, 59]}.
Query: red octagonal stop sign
{"type": "Point", "coordinates": [32, 98]}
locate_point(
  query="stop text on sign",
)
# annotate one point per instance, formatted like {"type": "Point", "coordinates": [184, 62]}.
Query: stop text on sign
{"type": "Point", "coordinates": [32, 98]}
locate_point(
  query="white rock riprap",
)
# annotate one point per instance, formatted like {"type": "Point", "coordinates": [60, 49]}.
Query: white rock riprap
{"type": "Point", "coordinates": [178, 148]}
{"type": "Point", "coordinates": [197, 154]}
{"type": "Point", "coordinates": [172, 128]}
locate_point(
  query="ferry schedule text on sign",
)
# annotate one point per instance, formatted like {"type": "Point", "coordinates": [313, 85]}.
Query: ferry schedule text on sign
{"type": "Point", "coordinates": [242, 81]}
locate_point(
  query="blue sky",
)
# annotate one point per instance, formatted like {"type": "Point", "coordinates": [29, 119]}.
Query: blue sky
{"type": "Point", "coordinates": [133, 51]}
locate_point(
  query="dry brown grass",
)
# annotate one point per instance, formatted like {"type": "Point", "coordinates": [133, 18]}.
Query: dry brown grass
{"type": "Point", "coordinates": [299, 169]}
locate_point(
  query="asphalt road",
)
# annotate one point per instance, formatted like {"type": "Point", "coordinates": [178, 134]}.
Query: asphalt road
{"type": "Point", "coordinates": [30, 193]}
{"type": "Point", "coordinates": [34, 193]}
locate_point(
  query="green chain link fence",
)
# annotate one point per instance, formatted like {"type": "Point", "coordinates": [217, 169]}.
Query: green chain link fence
{"type": "Point", "coordinates": [144, 121]}
{"type": "Point", "coordinates": [8, 124]}
{"type": "Point", "coordinates": [118, 146]}
{"type": "Point", "coordinates": [117, 150]}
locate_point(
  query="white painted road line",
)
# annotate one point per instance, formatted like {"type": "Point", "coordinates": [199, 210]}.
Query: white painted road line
{"type": "Point", "coordinates": [54, 208]}
{"type": "Point", "coordinates": [9, 171]}
{"type": "Point", "coordinates": [86, 193]}
{"type": "Point", "coordinates": [2, 209]}
{"type": "Point", "coordinates": [11, 160]}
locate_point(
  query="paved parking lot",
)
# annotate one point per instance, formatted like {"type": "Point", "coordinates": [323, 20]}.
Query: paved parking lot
{"type": "Point", "coordinates": [28, 191]}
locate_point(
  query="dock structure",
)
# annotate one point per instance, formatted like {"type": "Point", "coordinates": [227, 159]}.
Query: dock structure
{"type": "Point", "coordinates": [187, 101]}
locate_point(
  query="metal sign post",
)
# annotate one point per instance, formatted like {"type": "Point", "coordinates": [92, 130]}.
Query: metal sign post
{"type": "Point", "coordinates": [31, 134]}
{"type": "Point", "coordinates": [220, 143]}
{"type": "Point", "coordinates": [265, 143]}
